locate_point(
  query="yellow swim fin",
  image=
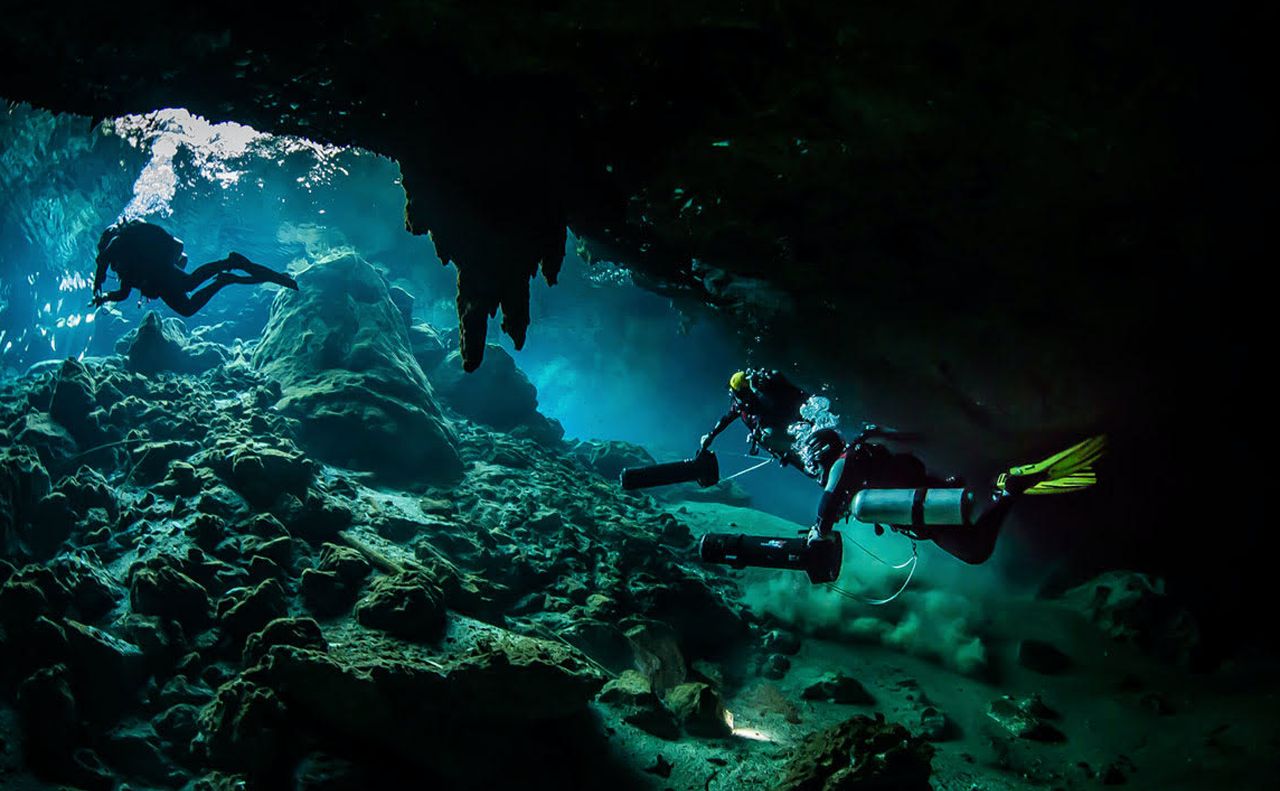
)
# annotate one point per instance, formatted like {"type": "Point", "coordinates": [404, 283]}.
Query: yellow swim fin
{"type": "Point", "coordinates": [1067, 471]}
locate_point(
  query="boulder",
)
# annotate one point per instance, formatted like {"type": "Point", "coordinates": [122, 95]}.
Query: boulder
{"type": "Point", "coordinates": [498, 394]}
{"type": "Point", "coordinates": [252, 612]}
{"type": "Point", "coordinates": [699, 710]}
{"type": "Point", "coordinates": [1025, 718]}
{"type": "Point", "coordinates": [299, 632]}
{"type": "Point", "coordinates": [657, 655]}
{"type": "Point", "coordinates": [167, 592]}
{"type": "Point", "coordinates": [23, 483]}
{"type": "Point", "coordinates": [163, 345]}
{"type": "Point", "coordinates": [340, 350]}
{"type": "Point", "coordinates": [407, 605]}
{"type": "Point", "coordinates": [611, 457]}
{"type": "Point", "coordinates": [838, 688]}
{"type": "Point", "coordinates": [429, 349]}
{"type": "Point", "coordinates": [860, 753]}
{"type": "Point", "coordinates": [1133, 608]}
{"type": "Point", "coordinates": [325, 594]}
{"type": "Point", "coordinates": [52, 443]}
{"type": "Point", "coordinates": [631, 695]}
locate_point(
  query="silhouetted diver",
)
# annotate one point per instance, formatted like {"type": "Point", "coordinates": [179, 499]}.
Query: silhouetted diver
{"type": "Point", "coordinates": [147, 257]}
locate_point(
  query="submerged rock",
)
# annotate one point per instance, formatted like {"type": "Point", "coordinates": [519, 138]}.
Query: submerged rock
{"type": "Point", "coordinates": [340, 350]}
{"type": "Point", "coordinates": [498, 394]}
{"type": "Point", "coordinates": [633, 698]}
{"type": "Point", "coordinates": [163, 345]}
{"type": "Point", "coordinates": [699, 710]}
{"type": "Point", "coordinates": [839, 688]}
{"type": "Point", "coordinates": [860, 753]}
{"type": "Point", "coordinates": [1025, 718]}
{"type": "Point", "coordinates": [1133, 608]}
{"type": "Point", "coordinates": [167, 592]}
{"type": "Point", "coordinates": [407, 605]}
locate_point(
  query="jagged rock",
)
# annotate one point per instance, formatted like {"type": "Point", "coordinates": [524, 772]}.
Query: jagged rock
{"type": "Point", "coordinates": [860, 753]}
{"type": "Point", "coordinates": [162, 345]}
{"type": "Point", "coordinates": [52, 443]}
{"type": "Point", "coordinates": [181, 690]}
{"type": "Point", "coordinates": [775, 666]}
{"type": "Point", "coordinates": [1043, 658]}
{"type": "Point", "coordinates": [350, 566]}
{"type": "Point", "coordinates": [407, 605]}
{"type": "Point", "coordinates": [611, 457]}
{"type": "Point", "coordinates": [151, 460]}
{"type": "Point", "coordinates": [178, 725]}
{"type": "Point", "coordinates": [658, 655]}
{"type": "Point", "coordinates": [429, 349]}
{"type": "Point", "coordinates": [1133, 608]}
{"type": "Point", "coordinates": [167, 592]}
{"type": "Point", "coordinates": [780, 641]}
{"type": "Point", "coordinates": [23, 483]}
{"type": "Point", "coordinates": [498, 395]}
{"type": "Point", "coordinates": [93, 592]}
{"type": "Point", "coordinates": [340, 350]}
{"type": "Point", "coordinates": [935, 726]}
{"type": "Point", "coordinates": [325, 594]}
{"type": "Point", "coordinates": [73, 402]}
{"type": "Point", "coordinates": [298, 632]}
{"type": "Point", "coordinates": [182, 480]}
{"type": "Point", "coordinates": [51, 720]}
{"type": "Point", "coordinates": [838, 688]}
{"type": "Point", "coordinates": [261, 474]}
{"type": "Point", "coordinates": [633, 697]}
{"type": "Point", "coordinates": [1025, 718]}
{"type": "Point", "coordinates": [135, 751]}
{"type": "Point", "coordinates": [317, 519]}
{"type": "Point", "coordinates": [254, 610]}
{"type": "Point", "coordinates": [245, 726]}
{"type": "Point", "coordinates": [108, 660]}
{"type": "Point", "coordinates": [699, 710]}
{"type": "Point", "coordinates": [51, 524]}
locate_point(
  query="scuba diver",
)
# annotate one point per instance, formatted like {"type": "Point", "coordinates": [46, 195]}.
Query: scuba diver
{"type": "Point", "coordinates": [868, 482]}
{"type": "Point", "coordinates": [769, 404]}
{"type": "Point", "coordinates": [147, 257]}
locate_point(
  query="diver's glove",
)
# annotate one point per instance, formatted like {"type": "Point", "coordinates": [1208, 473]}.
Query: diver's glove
{"type": "Point", "coordinates": [99, 300]}
{"type": "Point", "coordinates": [817, 535]}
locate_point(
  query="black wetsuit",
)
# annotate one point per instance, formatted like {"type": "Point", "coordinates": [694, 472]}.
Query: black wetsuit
{"type": "Point", "coordinates": [768, 406]}
{"type": "Point", "coordinates": [147, 257]}
{"type": "Point", "coordinates": [867, 465]}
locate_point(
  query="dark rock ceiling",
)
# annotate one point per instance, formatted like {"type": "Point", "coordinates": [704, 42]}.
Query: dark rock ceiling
{"type": "Point", "coordinates": [961, 177]}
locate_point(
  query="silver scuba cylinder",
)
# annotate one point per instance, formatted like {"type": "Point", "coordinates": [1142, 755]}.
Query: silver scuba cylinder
{"type": "Point", "coordinates": [918, 507]}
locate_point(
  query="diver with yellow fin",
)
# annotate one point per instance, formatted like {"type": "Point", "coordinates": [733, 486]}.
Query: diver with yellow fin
{"type": "Point", "coordinates": [867, 482]}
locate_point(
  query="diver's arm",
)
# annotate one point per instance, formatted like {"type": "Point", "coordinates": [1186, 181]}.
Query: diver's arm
{"type": "Point", "coordinates": [119, 295]}
{"type": "Point", "coordinates": [721, 425]}
{"type": "Point", "coordinates": [831, 505]}
{"type": "Point", "coordinates": [100, 276]}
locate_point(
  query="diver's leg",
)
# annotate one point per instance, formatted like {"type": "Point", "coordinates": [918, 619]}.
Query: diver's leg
{"type": "Point", "coordinates": [260, 273]}
{"type": "Point", "coordinates": [188, 305]}
{"type": "Point", "coordinates": [196, 277]}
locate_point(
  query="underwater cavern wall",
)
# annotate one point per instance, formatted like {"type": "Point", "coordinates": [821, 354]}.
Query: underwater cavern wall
{"type": "Point", "coordinates": [1000, 228]}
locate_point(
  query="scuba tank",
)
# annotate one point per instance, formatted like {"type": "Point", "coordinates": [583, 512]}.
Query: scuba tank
{"type": "Point", "coordinates": [921, 507]}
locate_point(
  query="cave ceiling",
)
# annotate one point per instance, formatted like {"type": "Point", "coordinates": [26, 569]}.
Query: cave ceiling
{"type": "Point", "coordinates": [988, 186]}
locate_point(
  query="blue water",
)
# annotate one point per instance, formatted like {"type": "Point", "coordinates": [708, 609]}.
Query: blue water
{"type": "Point", "coordinates": [610, 360]}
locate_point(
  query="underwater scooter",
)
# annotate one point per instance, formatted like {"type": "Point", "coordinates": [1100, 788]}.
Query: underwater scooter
{"type": "Point", "coordinates": [821, 563]}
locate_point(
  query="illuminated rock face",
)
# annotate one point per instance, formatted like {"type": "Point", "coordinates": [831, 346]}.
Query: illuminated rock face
{"type": "Point", "coordinates": [340, 350]}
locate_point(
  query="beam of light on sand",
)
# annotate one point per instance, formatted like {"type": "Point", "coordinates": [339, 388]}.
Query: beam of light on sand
{"type": "Point", "coordinates": [752, 734]}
